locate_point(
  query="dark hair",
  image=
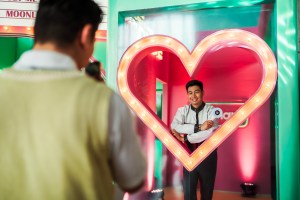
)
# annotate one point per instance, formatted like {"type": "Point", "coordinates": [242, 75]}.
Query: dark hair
{"type": "Point", "coordinates": [193, 83]}
{"type": "Point", "coordinates": [60, 21]}
{"type": "Point", "coordinates": [93, 70]}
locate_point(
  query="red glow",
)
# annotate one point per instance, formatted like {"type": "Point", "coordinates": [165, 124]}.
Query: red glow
{"type": "Point", "coordinates": [247, 153]}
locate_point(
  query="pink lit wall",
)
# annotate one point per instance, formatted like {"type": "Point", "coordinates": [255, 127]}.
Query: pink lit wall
{"type": "Point", "coordinates": [232, 75]}
{"type": "Point", "coordinates": [245, 156]}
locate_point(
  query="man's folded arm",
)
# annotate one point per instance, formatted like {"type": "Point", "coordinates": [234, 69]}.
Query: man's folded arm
{"type": "Point", "coordinates": [200, 136]}
{"type": "Point", "coordinates": [179, 125]}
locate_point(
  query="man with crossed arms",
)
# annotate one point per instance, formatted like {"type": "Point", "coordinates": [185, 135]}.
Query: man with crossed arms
{"type": "Point", "coordinates": [192, 125]}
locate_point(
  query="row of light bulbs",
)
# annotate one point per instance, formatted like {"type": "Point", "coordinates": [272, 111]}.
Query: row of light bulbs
{"type": "Point", "coordinates": [220, 39]}
{"type": "Point", "coordinates": [28, 30]}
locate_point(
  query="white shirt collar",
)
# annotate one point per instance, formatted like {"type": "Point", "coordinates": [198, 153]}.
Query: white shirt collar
{"type": "Point", "coordinates": [44, 60]}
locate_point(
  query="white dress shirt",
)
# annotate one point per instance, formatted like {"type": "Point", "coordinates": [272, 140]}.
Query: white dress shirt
{"type": "Point", "coordinates": [185, 119]}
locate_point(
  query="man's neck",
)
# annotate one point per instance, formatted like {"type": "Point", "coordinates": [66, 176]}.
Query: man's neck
{"type": "Point", "coordinates": [198, 107]}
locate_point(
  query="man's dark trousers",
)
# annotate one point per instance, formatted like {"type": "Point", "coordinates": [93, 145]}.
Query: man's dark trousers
{"type": "Point", "coordinates": [206, 173]}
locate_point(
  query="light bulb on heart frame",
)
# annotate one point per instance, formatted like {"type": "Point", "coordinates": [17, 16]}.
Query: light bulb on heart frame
{"type": "Point", "coordinates": [219, 39]}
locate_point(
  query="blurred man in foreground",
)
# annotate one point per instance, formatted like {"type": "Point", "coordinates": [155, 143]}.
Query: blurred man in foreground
{"type": "Point", "coordinates": [63, 135]}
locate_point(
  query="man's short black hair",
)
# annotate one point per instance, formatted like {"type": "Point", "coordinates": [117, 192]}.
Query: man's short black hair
{"type": "Point", "coordinates": [193, 83]}
{"type": "Point", "coordinates": [60, 21]}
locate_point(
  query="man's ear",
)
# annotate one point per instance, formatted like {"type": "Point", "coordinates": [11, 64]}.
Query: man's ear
{"type": "Point", "coordinates": [86, 36]}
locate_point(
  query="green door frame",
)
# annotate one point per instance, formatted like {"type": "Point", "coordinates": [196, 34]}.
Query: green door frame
{"type": "Point", "coordinates": [287, 91]}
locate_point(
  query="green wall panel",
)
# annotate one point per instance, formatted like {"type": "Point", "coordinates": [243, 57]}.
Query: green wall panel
{"type": "Point", "coordinates": [100, 53]}
{"type": "Point", "coordinates": [287, 102]}
{"type": "Point", "coordinates": [11, 48]}
{"type": "Point", "coordinates": [7, 51]}
{"type": "Point", "coordinates": [285, 47]}
{"type": "Point", "coordinates": [24, 44]}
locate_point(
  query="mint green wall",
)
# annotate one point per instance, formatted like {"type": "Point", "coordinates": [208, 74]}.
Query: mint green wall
{"type": "Point", "coordinates": [287, 102]}
{"type": "Point", "coordinates": [23, 44]}
{"type": "Point", "coordinates": [11, 48]}
{"type": "Point", "coordinates": [7, 51]}
{"type": "Point", "coordinates": [287, 96]}
{"type": "Point", "coordinates": [100, 53]}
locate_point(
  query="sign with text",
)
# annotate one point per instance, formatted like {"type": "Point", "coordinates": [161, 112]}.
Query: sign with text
{"type": "Point", "coordinates": [23, 12]}
{"type": "Point", "coordinates": [228, 110]}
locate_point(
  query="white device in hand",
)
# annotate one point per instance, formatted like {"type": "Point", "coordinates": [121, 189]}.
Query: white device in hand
{"type": "Point", "coordinates": [216, 113]}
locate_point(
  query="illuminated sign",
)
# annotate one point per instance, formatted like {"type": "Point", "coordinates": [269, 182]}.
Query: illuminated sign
{"type": "Point", "coordinates": [228, 110]}
{"type": "Point", "coordinates": [17, 16]}
{"type": "Point", "coordinates": [217, 40]}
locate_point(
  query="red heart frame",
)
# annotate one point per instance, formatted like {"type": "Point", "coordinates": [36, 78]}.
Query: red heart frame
{"type": "Point", "coordinates": [220, 39]}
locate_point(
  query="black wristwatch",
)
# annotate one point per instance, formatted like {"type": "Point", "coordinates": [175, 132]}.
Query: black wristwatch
{"type": "Point", "coordinates": [185, 138]}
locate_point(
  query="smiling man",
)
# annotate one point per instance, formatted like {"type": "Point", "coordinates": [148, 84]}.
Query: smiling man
{"type": "Point", "coordinates": [193, 126]}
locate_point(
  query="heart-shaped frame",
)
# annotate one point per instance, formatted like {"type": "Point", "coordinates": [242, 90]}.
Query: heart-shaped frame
{"type": "Point", "coordinates": [217, 40]}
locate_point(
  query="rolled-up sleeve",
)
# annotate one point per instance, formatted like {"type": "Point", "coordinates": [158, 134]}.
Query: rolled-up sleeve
{"type": "Point", "coordinates": [128, 161]}
{"type": "Point", "coordinates": [179, 124]}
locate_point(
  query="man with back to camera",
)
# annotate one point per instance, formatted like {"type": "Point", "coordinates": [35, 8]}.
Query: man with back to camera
{"type": "Point", "coordinates": [64, 136]}
{"type": "Point", "coordinates": [192, 124]}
